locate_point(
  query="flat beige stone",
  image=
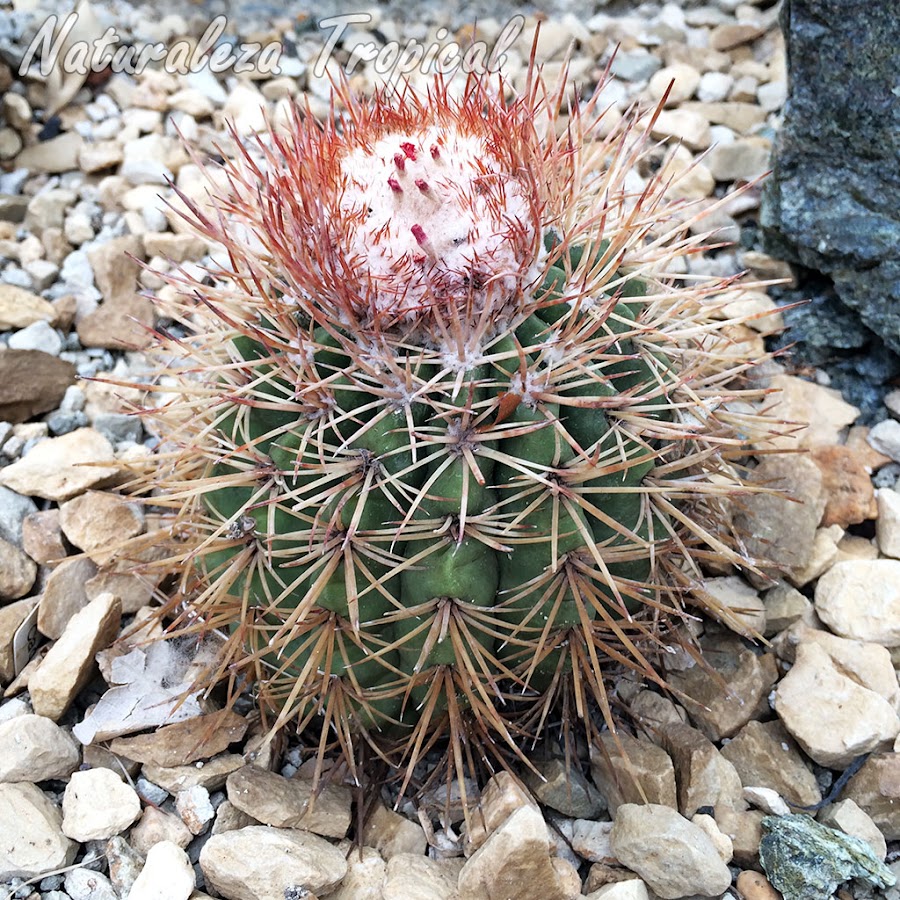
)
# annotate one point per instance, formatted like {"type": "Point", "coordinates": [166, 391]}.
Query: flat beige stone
{"type": "Point", "coordinates": [63, 467]}
{"type": "Point", "coordinates": [67, 667]}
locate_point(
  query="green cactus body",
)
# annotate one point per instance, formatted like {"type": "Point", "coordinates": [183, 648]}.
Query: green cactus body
{"type": "Point", "coordinates": [443, 400]}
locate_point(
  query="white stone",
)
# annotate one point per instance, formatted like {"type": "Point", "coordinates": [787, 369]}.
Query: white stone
{"type": "Point", "coordinates": [97, 804]}
{"type": "Point", "coordinates": [86, 884]}
{"type": "Point", "coordinates": [766, 799]}
{"type": "Point", "coordinates": [860, 599]}
{"type": "Point", "coordinates": [590, 840]}
{"type": "Point", "coordinates": [833, 718]}
{"type": "Point", "coordinates": [37, 336]}
{"type": "Point", "coordinates": [167, 875]}
{"type": "Point", "coordinates": [714, 87]}
{"type": "Point", "coordinates": [633, 889]}
{"type": "Point", "coordinates": [887, 525]}
{"type": "Point", "coordinates": [885, 438]}
{"type": "Point", "coordinates": [34, 748]}
{"type": "Point", "coordinates": [194, 808]}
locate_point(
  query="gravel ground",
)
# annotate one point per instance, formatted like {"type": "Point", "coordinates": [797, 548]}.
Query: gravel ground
{"type": "Point", "coordinates": [98, 801]}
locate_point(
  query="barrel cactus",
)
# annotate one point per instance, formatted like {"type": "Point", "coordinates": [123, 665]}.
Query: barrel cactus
{"type": "Point", "coordinates": [445, 436]}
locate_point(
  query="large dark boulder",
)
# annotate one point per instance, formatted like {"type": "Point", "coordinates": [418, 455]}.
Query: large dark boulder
{"type": "Point", "coordinates": [833, 201]}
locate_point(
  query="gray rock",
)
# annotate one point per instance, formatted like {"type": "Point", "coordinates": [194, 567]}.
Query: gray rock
{"type": "Point", "coordinates": [635, 65]}
{"type": "Point", "coordinates": [832, 202]}
{"type": "Point", "coordinates": [13, 510]}
{"type": "Point", "coordinates": [117, 427]}
{"type": "Point", "coordinates": [63, 422]}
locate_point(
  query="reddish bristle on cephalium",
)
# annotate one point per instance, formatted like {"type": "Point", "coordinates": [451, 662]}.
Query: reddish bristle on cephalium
{"type": "Point", "coordinates": [446, 437]}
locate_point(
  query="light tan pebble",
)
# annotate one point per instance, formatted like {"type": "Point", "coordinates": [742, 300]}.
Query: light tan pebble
{"type": "Point", "coordinates": [155, 826]}
{"type": "Point", "coordinates": [34, 748]}
{"type": "Point", "coordinates": [212, 774]}
{"type": "Point", "coordinates": [887, 525]}
{"type": "Point", "coordinates": [744, 89]}
{"type": "Point", "coordinates": [860, 599]}
{"type": "Point", "coordinates": [885, 438]}
{"type": "Point", "coordinates": [564, 788]}
{"type": "Point", "coordinates": [63, 467]}
{"type": "Point", "coordinates": [33, 843]}
{"type": "Point", "coordinates": [12, 615]}
{"type": "Point", "coordinates": [741, 118]}
{"type": "Point", "coordinates": [742, 161]}
{"type": "Point", "coordinates": [672, 855]}
{"type": "Point", "coordinates": [20, 308]}
{"type": "Point", "coordinates": [279, 88]}
{"type": "Point", "coordinates": [69, 663]}
{"type": "Point", "coordinates": [824, 555]}
{"type": "Point", "coordinates": [501, 797]}
{"type": "Point", "coordinates": [193, 102]}
{"type": "Point", "coordinates": [54, 156]}
{"type": "Point", "coordinates": [833, 718]}
{"type": "Point", "coordinates": [784, 606]}
{"type": "Point", "coordinates": [721, 714]}
{"type": "Point", "coordinates": [755, 886]}
{"type": "Point", "coordinates": [390, 833]}
{"type": "Point", "coordinates": [731, 35]}
{"type": "Point", "coordinates": [867, 664]}
{"type": "Point", "coordinates": [97, 804]}
{"type": "Point", "coordinates": [414, 875]}
{"type": "Point", "coordinates": [17, 571]}
{"type": "Point", "coordinates": [98, 521]}
{"type": "Point", "coordinates": [230, 818]}
{"type": "Point", "coordinates": [847, 816]}
{"type": "Point", "coordinates": [758, 310]}
{"type": "Point", "coordinates": [633, 889]}
{"type": "Point", "coordinates": [690, 128]}
{"type": "Point", "coordinates": [847, 482]}
{"type": "Point", "coordinates": [736, 604]}
{"type": "Point", "coordinates": [764, 753]}
{"type": "Point", "coordinates": [721, 842]}
{"type": "Point", "coordinates": [514, 861]}
{"type": "Point", "coordinates": [680, 80]}
{"type": "Point", "coordinates": [853, 546]}
{"type": "Point", "coordinates": [626, 770]}
{"type": "Point", "coordinates": [167, 866]}
{"type": "Point", "coordinates": [285, 803]}
{"type": "Point", "coordinates": [194, 808]}
{"type": "Point", "coordinates": [690, 178]}
{"type": "Point", "coordinates": [704, 776]}
{"type": "Point", "coordinates": [259, 862]}
{"type": "Point", "coordinates": [245, 107]}
{"type": "Point", "coordinates": [767, 800]}
{"type": "Point", "coordinates": [17, 111]}
{"type": "Point", "coordinates": [64, 595]}
{"type": "Point", "coordinates": [780, 526]}
{"type": "Point", "coordinates": [97, 156]}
